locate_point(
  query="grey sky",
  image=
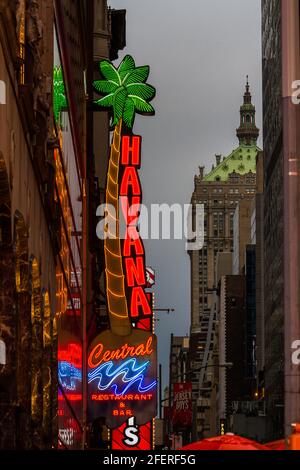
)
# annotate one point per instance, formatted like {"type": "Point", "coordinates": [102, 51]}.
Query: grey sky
{"type": "Point", "coordinates": [200, 52]}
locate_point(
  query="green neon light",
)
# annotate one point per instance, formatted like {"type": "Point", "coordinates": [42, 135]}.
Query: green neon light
{"type": "Point", "coordinates": [59, 93]}
{"type": "Point", "coordinates": [125, 90]}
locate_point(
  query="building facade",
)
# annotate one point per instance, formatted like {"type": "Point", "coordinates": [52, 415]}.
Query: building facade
{"type": "Point", "coordinates": [273, 217]}
{"type": "Point", "coordinates": [280, 41]}
{"type": "Point", "coordinates": [30, 228]}
{"type": "Point", "coordinates": [49, 188]}
{"type": "Point", "coordinates": [233, 179]}
{"type": "Point", "coordinates": [291, 155]}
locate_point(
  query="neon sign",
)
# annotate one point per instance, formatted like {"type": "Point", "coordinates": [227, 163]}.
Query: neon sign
{"type": "Point", "coordinates": [122, 362]}
{"type": "Point", "coordinates": [70, 368]}
{"type": "Point", "coordinates": [130, 372]}
{"type": "Point", "coordinates": [133, 249]}
{"type": "Point", "coordinates": [122, 379]}
{"type": "Point", "coordinates": [97, 356]}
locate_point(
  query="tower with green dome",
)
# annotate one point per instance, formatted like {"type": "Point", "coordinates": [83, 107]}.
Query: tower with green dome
{"type": "Point", "coordinates": [230, 184]}
{"type": "Point", "coordinates": [242, 160]}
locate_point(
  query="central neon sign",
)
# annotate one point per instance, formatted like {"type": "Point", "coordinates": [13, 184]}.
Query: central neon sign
{"type": "Point", "coordinates": [122, 378]}
{"type": "Point", "coordinates": [97, 356]}
{"type": "Point", "coordinates": [122, 361]}
{"type": "Point", "coordinates": [130, 372]}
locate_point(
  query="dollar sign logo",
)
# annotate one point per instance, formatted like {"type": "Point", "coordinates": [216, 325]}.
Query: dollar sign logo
{"type": "Point", "coordinates": [131, 433]}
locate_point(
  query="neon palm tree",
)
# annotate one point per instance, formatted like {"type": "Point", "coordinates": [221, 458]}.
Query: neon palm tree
{"type": "Point", "coordinates": [126, 93]}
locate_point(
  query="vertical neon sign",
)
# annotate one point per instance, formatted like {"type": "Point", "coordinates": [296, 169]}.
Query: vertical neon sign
{"type": "Point", "coordinates": [122, 362]}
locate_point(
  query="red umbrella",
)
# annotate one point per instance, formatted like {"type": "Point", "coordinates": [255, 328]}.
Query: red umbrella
{"type": "Point", "coordinates": [277, 445]}
{"type": "Point", "coordinates": [227, 442]}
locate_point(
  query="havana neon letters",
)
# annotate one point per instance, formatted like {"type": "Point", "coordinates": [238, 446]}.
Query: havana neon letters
{"type": "Point", "coordinates": [133, 249]}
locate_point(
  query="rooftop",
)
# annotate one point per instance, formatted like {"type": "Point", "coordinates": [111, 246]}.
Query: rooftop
{"type": "Point", "coordinates": [242, 160]}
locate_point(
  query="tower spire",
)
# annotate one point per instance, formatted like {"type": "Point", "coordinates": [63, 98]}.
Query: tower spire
{"type": "Point", "coordinates": [247, 133]}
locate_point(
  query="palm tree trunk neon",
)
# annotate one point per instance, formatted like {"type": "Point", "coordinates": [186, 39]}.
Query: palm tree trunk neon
{"type": "Point", "coordinates": [115, 279]}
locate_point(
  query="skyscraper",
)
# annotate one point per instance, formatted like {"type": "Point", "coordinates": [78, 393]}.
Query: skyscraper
{"type": "Point", "coordinates": [281, 69]}
{"type": "Point", "coordinates": [273, 216]}
{"type": "Point", "coordinates": [233, 179]}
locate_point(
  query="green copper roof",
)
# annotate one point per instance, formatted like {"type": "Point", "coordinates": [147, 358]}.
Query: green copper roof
{"type": "Point", "coordinates": [242, 161]}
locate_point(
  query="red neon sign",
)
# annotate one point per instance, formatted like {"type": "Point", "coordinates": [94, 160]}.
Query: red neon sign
{"type": "Point", "coordinates": [131, 150]}
{"type": "Point", "coordinates": [133, 249]}
{"type": "Point", "coordinates": [97, 356]}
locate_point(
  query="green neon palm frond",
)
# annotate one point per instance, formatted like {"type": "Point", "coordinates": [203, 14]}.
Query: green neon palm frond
{"type": "Point", "coordinates": [59, 93]}
{"type": "Point", "coordinates": [127, 65]}
{"type": "Point", "coordinates": [125, 90]}
{"type": "Point", "coordinates": [110, 72]}
{"type": "Point", "coordinates": [147, 92]}
{"type": "Point", "coordinates": [105, 86]}
{"type": "Point", "coordinates": [129, 112]}
{"type": "Point", "coordinates": [119, 104]}
{"type": "Point", "coordinates": [107, 101]}
{"type": "Point", "coordinates": [141, 105]}
{"type": "Point", "coordinates": [140, 74]}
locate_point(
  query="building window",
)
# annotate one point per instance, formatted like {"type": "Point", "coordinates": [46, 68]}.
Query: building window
{"type": "Point", "coordinates": [2, 353]}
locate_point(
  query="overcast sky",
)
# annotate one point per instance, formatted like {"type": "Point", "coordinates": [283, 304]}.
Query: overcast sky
{"type": "Point", "coordinates": [200, 52]}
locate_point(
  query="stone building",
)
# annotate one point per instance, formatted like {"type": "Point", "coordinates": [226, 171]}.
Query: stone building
{"type": "Point", "coordinates": [30, 227]}
{"type": "Point", "coordinates": [232, 179]}
{"type": "Point", "coordinates": [49, 190]}
{"type": "Point", "coordinates": [273, 217]}
{"type": "Point", "coordinates": [281, 68]}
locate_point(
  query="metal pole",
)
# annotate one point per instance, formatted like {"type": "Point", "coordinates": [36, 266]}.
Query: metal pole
{"type": "Point", "coordinates": [160, 392]}
{"type": "Point", "coordinates": [170, 388]}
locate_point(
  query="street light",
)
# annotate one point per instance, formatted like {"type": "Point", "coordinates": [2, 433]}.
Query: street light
{"type": "Point", "coordinates": [226, 365]}
{"type": "Point", "coordinates": [167, 310]}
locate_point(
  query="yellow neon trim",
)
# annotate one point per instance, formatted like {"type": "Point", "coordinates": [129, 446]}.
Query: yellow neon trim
{"type": "Point", "coordinates": [108, 214]}
{"type": "Point", "coordinates": [114, 148]}
{"type": "Point", "coordinates": [113, 164]}
{"type": "Point", "coordinates": [116, 314]}
{"type": "Point", "coordinates": [111, 179]}
{"type": "Point", "coordinates": [114, 275]}
{"type": "Point", "coordinates": [113, 236]}
{"type": "Point", "coordinates": [113, 197]}
{"type": "Point", "coordinates": [118, 296]}
{"type": "Point", "coordinates": [113, 254]}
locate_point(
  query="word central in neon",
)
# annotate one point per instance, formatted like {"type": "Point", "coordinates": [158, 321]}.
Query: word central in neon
{"type": "Point", "coordinates": [127, 374]}
{"type": "Point", "coordinates": [97, 356]}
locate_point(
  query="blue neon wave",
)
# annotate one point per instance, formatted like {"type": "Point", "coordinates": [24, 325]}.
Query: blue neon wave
{"type": "Point", "coordinates": [68, 375]}
{"type": "Point", "coordinates": [129, 372]}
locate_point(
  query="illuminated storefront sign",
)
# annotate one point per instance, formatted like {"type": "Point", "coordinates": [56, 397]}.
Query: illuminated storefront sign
{"type": "Point", "coordinates": [132, 437]}
{"type": "Point", "coordinates": [122, 362]}
{"type": "Point", "coordinates": [182, 412]}
{"type": "Point", "coordinates": [70, 366]}
{"type": "Point", "coordinates": [122, 378]}
{"type": "Point", "coordinates": [133, 248]}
